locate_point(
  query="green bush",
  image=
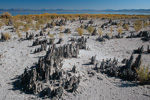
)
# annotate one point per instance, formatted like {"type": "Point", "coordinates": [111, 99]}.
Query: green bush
{"type": "Point", "coordinates": [6, 15]}
{"type": "Point", "coordinates": [126, 26]}
{"type": "Point", "coordinates": [120, 30]}
{"type": "Point", "coordinates": [7, 36]}
{"type": "Point", "coordinates": [146, 24]}
{"type": "Point", "coordinates": [143, 74]}
{"type": "Point", "coordinates": [1, 24]}
{"type": "Point", "coordinates": [100, 32]}
{"type": "Point", "coordinates": [51, 35]}
{"type": "Point", "coordinates": [80, 31]}
{"type": "Point", "coordinates": [90, 29]}
{"type": "Point", "coordinates": [138, 25]}
{"type": "Point", "coordinates": [19, 34]}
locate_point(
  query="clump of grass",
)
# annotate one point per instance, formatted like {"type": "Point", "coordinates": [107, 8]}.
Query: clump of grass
{"type": "Point", "coordinates": [5, 21]}
{"type": "Point", "coordinates": [16, 25]}
{"type": "Point", "coordinates": [90, 29]}
{"type": "Point", "coordinates": [29, 21]}
{"type": "Point", "coordinates": [138, 25]}
{"type": "Point", "coordinates": [100, 32]}
{"type": "Point", "coordinates": [120, 30]}
{"type": "Point", "coordinates": [146, 24]}
{"type": "Point", "coordinates": [126, 26]}
{"type": "Point", "coordinates": [7, 36]}
{"type": "Point", "coordinates": [143, 74]}
{"type": "Point", "coordinates": [42, 21]}
{"type": "Point", "coordinates": [120, 24]}
{"type": "Point", "coordinates": [51, 35]}
{"type": "Point", "coordinates": [109, 34]}
{"type": "Point", "coordinates": [1, 24]}
{"type": "Point", "coordinates": [111, 30]}
{"type": "Point", "coordinates": [80, 31]}
{"type": "Point", "coordinates": [61, 35]}
{"type": "Point", "coordinates": [82, 26]}
{"type": "Point", "coordinates": [19, 34]}
{"type": "Point", "coordinates": [61, 28]}
{"type": "Point", "coordinates": [26, 28]}
{"type": "Point", "coordinates": [37, 26]}
{"type": "Point", "coordinates": [6, 15]}
{"type": "Point", "coordinates": [42, 26]}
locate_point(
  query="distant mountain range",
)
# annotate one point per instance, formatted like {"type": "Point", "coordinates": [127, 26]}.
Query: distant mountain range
{"type": "Point", "coordinates": [110, 10]}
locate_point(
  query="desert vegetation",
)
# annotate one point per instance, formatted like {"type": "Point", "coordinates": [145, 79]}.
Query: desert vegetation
{"type": "Point", "coordinates": [137, 25]}
{"type": "Point", "coordinates": [80, 31]}
{"type": "Point", "coordinates": [126, 26]}
{"type": "Point", "coordinates": [18, 33]}
{"type": "Point", "coordinates": [120, 30]}
{"type": "Point", "coordinates": [1, 24]}
{"type": "Point", "coordinates": [90, 29]}
{"type": "Point", "coordinates": [43, 18]}
{"type": "Point", "coordinates": [6, 36]}
{"type": "Point", "coordinates": [143, 74]}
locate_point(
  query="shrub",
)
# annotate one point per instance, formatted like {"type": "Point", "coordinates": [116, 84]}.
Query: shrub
{"type": "Point", "coordinates": [90, 29]}
{"type": "Point", "coordinates": [42, 26]}
{"type": "Point", "coordinates": [19, 34]}
{"type": "Point", "coordinates": [26, 27]}
{"type": "Point", "coordinates": [119, 24]}
{"type": "Point", "coordinates": [100, 32]}
{"type": "Point", "coordinates": [37, 26]}
{"type": "Point", "coordinates": [1, 24]}
{"type": "Point", "coordinates": [51, 35]}
{"type": "Point", "coordinates": [146, 24]}
{"type": "Point", "coordinates": [61, 35]}
{"type": "Point", "coordinates": [29, 21]}
{"type": "Point", "coordinates": [6, 15]}
{"type": "Point", "coordinates": [61, 28]}
{"type": "Point", "coordinates": [80, 31]}
{"type": "Point", "coordinates": [5, 21]}
{"type": "Point", "coordinates": [41, 21]}
{"type": "Point", "coordinates": [7, 36]}
{"type": "Point", "coordinates": [109, 34]}
{"type": "Point", "coordinates": [111, 30]}
{"type": "Point", "coordinates": [143, 74]}
{"type": "Point", "coordinates": [32, 25]}
{"type": "Point", "coordinates": [16, 25]}
{"type": "Point", "coordinates": [126, 26]}
{"type": "Point", "coordinates": [138, 25]}
{"type": "Point", "coordinates": [120, 30]}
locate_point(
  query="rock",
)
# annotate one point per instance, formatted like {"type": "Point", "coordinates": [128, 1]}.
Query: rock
{"type": "Point", "coordinates": [105, 25]}
{"type": "Point", "coordinates": [47, 78]}
{"type": "Point", "coordinates": [39, 42]}
{"type": "Point", "coordinates": [137, 63]}
{"type": "Point", "coordinates": [93, 60]}
{"type": "Point", "coordinates": [148, 49]}
{"type": "Point", "coordinates": [124, 61]}
{"type": "Point", "coordinates": [94, 32]}
{"type": "Point", "coordinates": [90, 22]}
{"type": "Point", "coordinates": [119, 36]}
{"type": "Point", "coordinates": [41, 33]}
{"type": "Point", "coordinates": [91, 73]}
{"type": "Point", "coordinates": [111, 68]}
{"type": "Point", "coordinates": [67, 31]}
{"type": "Point", "coordinates": [140, 50]}
{"type": "Point", "coordinates": [29, 36]}
{"type": "Point", "coordinates": [59, 41]}
{"type": "Point", "coordinates": [61, 23]}
{"type": "Point", "coordinates": [10, 23]}
{"type": "Point", "coordinates": [144, 34]}
{"type": "Point", "coordinates": [100, 39]}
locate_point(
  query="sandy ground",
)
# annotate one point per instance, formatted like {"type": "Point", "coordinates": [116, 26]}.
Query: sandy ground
{"type": "Point", "coordinates": [16, 55]}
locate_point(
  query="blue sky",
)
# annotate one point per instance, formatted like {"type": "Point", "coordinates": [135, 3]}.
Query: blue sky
{"type": "Point", "coordinates": [76, 4]}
